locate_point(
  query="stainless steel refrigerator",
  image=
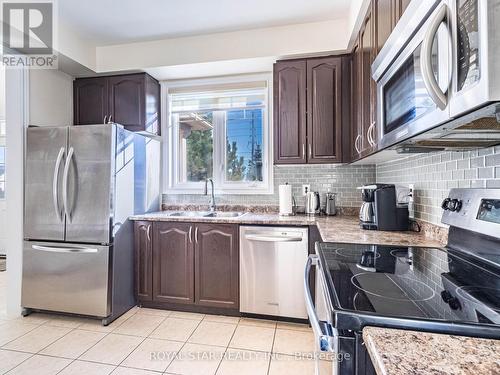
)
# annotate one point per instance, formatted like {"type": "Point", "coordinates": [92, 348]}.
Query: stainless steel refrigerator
{"type": "Point", "coordinates": [81, 185]}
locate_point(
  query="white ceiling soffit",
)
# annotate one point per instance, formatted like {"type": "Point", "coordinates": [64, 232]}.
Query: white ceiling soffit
{"type": "Point", "coordinates": [213, 69]}
{"type": "Point", "coordinates": [107, 22]}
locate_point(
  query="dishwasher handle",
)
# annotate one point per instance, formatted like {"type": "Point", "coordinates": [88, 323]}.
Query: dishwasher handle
{"type": "Point", "coordinates": [271, 238]}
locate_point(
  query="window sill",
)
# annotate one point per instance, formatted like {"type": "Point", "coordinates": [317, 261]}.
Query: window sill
{"type": "Point", "coordinates": [199, 191]}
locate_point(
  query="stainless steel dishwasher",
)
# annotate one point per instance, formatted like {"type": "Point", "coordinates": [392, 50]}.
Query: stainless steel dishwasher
{"type": "Point", "coordinates": [272, 262]}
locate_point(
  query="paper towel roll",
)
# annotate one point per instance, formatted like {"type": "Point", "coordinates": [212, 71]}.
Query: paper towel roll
{"type": "Point", "coordinates": [285, 195]}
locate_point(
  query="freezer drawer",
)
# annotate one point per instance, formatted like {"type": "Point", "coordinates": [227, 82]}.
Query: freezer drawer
{"type": "Point", "coordinates": [65, 277]}
{"type": "Point", "coordinates": [272, 261]}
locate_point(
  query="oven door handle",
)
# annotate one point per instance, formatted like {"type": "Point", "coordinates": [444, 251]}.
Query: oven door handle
{"type": "Point", "coordinates": [437, 95]}
{"type": "Point", "coordinates": [326, 335]}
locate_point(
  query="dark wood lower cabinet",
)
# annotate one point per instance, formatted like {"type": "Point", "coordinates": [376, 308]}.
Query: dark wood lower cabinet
{"type": "Point", "coordinates": [217, 265]}
{"type": "Point", "coordinates": [173, 262]}
{"type": "Point", "coordinates": [187, 266]}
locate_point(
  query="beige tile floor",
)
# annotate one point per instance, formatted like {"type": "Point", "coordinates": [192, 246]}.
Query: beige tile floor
{"type": "Point", "coordinates": [151, 342]}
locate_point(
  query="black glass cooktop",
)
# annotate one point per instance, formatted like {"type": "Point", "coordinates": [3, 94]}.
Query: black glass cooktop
{"type": "Point", "coordinates": [411, 282]}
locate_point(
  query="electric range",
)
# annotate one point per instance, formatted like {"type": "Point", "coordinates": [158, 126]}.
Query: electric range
{"type": "Point", "coordinates": [453, 290]}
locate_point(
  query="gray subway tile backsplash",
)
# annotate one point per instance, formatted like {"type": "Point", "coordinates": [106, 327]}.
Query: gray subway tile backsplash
{"type": "Point", "coordinates": [342, 179]}
{"type": "Point", "coordinates": [434, 174]}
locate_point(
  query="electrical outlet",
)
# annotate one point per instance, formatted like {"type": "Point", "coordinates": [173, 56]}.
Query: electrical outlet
{"type": "Point", "coordinates": [306, 188]}
{"type": "Point", "coordinates": [411, 199]}
{"type": "Point", "coordinates": [411, 191]}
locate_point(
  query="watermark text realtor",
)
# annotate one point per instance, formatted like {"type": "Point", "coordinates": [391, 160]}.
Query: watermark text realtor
{"type": "Point", "coordinates": [28, 34]}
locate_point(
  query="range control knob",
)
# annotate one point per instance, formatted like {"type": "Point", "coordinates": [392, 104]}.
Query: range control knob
{"type": "Point", "coordinates": [445, 204]}
{"type": "Point", "coordinates": [453, 302]}
{"type": "Point", "coordinates": [455, 205]}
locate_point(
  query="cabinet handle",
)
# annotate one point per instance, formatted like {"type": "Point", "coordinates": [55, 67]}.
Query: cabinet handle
{"type": "Point", "coordinates": [190, 234]}
{"type": "Point", "coordinates": [196, 235]}
{"type": "Point", "coordinates": [356, 145]}
{"type": "Point", "coordinates": [370, 134]}
{"type": "Point", "coordinates": [148, 233]}
{"type": "Point", "coordinates": [104, 121]}
{"type": "Point", "coordinates": [310, 151]}
{"type": "Point", "coordinates": [303, 150]}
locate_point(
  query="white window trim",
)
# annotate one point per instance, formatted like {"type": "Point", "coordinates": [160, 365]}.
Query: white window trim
{"type": "Point", "coordinates": [170, 147]}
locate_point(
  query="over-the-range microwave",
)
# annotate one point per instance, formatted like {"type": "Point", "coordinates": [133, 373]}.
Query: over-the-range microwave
{"type": "Point", "coordinates": [438, 77]}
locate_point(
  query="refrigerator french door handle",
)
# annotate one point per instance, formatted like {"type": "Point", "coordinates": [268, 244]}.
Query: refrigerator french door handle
{"type": "Point", "coordinates": [65, 183]}
{"type": "Point", "coordinates": [55, 249]}
{"type": "Point", "coordinates": [437, 95]}
{"type": "Point", "coordinates": [327, 341]}
{"type": "Point", "coordinates": [55, 184]}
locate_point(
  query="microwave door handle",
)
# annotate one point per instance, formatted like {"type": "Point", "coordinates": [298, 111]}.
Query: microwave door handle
{"type": "Point", "coordinates": [430, 82]}
{"type": "Point", "coordinates": [327, 342]}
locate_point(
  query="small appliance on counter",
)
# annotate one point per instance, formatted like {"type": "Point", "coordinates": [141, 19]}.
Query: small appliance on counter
{"type": "Point", "coordinates": [331, 204]}
{"type": "Point", "coordinates": [380, 209]}
{"type": "Point", "coordinates": [312, 204]}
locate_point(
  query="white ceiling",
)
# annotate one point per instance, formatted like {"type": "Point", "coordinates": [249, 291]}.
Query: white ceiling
{"type": "Point", "coordinates": [107, 22]}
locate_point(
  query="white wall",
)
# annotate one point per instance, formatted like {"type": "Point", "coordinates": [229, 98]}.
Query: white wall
{"type": "Point", "coordinates": [50, 98]}
{"type": "Point", "coordinates": [290, 40]}
{"type": "Point", "coordinates": [3, 233]}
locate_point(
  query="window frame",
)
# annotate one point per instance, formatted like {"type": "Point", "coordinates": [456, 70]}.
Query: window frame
{"type": "Point", "coordinates": [170, 149]}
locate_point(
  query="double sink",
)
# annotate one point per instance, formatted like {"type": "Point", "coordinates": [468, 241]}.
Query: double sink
{"type": "Point", "coordinates": [207, 214]}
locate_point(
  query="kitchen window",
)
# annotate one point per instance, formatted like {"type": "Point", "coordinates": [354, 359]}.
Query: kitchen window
{"type": "Point", "coordinates": [219, 130]}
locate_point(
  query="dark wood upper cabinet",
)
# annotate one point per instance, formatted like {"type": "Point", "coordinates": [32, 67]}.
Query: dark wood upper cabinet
{"type": "Point", "coordinates": [126, 100]}
{"type": "Point", "coordinates": [90, 99]}
{"type": "Point", "coordinates": [356, 103]}
{"type": "Point", "coordinates": [324, 120]}
{"type": "Point", "coordinates": [308, 111]}
{"type": "Point", "coordinates": [173, 262]}
{"type": "Point", "coordinates": [386, 16]}
{"type": "Point", "coordinates": [290, 112]}
{"type": "Point", "coordinates": [143, 232]}
{"type": "Point", "coordinates": [367, 46]}
{"type": "Point", "coordinates": [217, 265]}
{"type": "Point", "coordinates": [132, 100]}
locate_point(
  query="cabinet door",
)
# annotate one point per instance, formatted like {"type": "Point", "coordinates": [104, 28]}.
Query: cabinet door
{"type": "Point", "coordinates": [290, 112]}
{"type": "Point", "coordinates": [357, 103]}
{"type": "Point", "coordinates": [127, 101]}
{"type": "Point", "coordinates": [217, 265]}
{"type": "Point", "coordinates": [368, 117]}
{"type": "Point", "coordinates": [173, 262]}
{"type": "Point", "coordinates": [384, 12]}
{"type": "Point", "coordinates": [90, 100]}
{"type": "Point", "coordinates": [143, 231]}
{"type": "Point", "coordinates": [324, 120]}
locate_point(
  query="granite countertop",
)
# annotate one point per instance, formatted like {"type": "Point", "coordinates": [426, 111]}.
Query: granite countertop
{"type": "Point", "coordinates": [340, 228]}
{"type": "Point", "coordinates": [400, 352]}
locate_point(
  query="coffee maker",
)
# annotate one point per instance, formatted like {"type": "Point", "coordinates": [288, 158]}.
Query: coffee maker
{"type": "Point", "coordinates": [380, 209]}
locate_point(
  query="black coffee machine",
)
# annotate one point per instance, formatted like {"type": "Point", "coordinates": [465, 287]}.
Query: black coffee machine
{"type": "Point", "coordinates": [380, 209]}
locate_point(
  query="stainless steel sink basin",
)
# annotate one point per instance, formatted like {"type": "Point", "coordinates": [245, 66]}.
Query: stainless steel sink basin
{"type": "Point", "coordinates": [206, 214]}
{"type": "Point", "coordinates": [190, 213]}
{"type": "Point", "coordinates": [225, 214]}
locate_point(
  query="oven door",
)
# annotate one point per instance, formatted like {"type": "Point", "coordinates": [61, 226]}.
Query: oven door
{"type": "Point", "coordinates": [334, 353]}
{"type": "Point", "coordinates": [412, 95]}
